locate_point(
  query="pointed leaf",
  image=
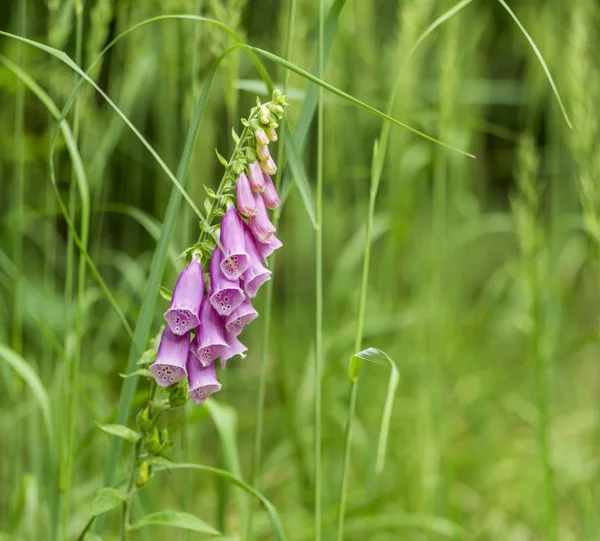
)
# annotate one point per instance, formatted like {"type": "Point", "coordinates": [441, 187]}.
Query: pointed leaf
{"type": "Point", "coordinates": [121, 431]}
{"type": "Point", "coordinates": [106, 498]}
{"type": "Point", "coordinates": [142, 372]}
{"type": "Point", "coordinates": [175, 519]}
{"type": "Point", "coordinates": [165, 293]}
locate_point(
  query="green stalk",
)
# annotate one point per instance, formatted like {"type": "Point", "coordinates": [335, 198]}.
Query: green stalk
{"type": "Point", "coordinates": [264, 356]}
{"type": "Point", "coordinates": [126, 507]}
{"type": "Point", "coordinates": [18, 231]}
{"type": "Point", "coordinates": [362, 303]}
{"type": "Point", "coordinates": [73, 359]}
{"type": "Point", "coordinates": [319, 284]}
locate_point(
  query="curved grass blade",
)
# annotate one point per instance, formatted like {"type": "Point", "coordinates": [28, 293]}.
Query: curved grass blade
{"type": "Point", "coordinates": [29, 375]}
{"type": "Point", "coordinates": [376, 356]}
{"type": "Point", "coordinates": [540, 58]}
{"type": "Point", "coordinates": [174, 519]}
{"type": "Point", "coordinates": [278, 533]}
{"type": "Point", "coordinates": [47, 101]}
{"type": "Point", "coordinates": [66, 59]}
{"type": "Point", "coordinates": [334, 90]}
{"type": "Point", "coordinates": [439, 21]}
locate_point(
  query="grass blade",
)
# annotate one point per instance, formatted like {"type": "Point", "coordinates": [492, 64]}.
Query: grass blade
{"type": "Point", "coordinates": [541, 59]}
{"type": "Point", "coordinates": [30, 377]}
{"type": "Point", "coordinates": [376, 356]}
{"type": "Point", "coordinates": [278, 533]}
{"type": "Point", "coordinates": [345, 96]}
{"type": "Point", "coordinates": [438, 22]}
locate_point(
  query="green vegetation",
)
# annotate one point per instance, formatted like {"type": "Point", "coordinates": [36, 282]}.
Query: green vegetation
{"type": "Point", "coordinates": [451, 304]}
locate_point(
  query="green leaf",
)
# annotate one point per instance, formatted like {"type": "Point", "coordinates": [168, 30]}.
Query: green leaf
{"type": "Point", "coordinates": [223, 161]}
{"type": "Point", "coordinates": [226, 421]}
{"type": "Point", "coordinates": [376, 356]}
{"type": "Point", "coordinates": [270, 508]}
{"type": "Point", "coordinates": [299, 174]}
{"type": "Point", "coordinates": [106, 498]}
{"type": "Point", "coordinates": [121, 431]}
{"type": "Point", "coordinates": [439, 21]}
{"type": "Point", "coordinates": [175, 519]}
{"type": "Point", "coordinates": [165, 293]}
{"type": "Point", "coordinates": [344, 95]}
{"type": "Point", "coordinates": [541, 59]}
{"type": "Point", "coordinates": [143, 372]}
{"type": "Point", "coordinates": [30, 377]}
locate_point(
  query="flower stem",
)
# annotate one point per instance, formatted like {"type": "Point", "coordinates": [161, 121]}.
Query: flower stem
{"type": "Point", "coordinates": [362, 303]}
{"type": "Point", "coordinates": [264, 356]}
{"type": "Point", "coordinates": [239, 147]}
{"type": "Point", "coordinates": [126, 508]}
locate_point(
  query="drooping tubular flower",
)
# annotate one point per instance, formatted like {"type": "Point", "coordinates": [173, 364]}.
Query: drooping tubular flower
{"type": "Point", "coordinates": [210, 336]}
{"type": "Point", "coordinates": [235, 347]}
{"type": "Point", "coordinates": [255, 176]}
{"type": "Point", "coordinates": [245, 198]}
{"type": "Point", "coordinates": [266, 249]}
{"type": "Point", "coordinates": [226, 294]}
{"type": "Point", "coordinates": [202, 380]}
{"type": "Point", "coordinates": [182, 315]}
{"type": "Point", "coordinates": [269, 195]}
{"type": "Point", "coordinates": [236, 260]}
{"type": "Point", "coordinates": [171, 360]}
{"type": "Point", "coordinates": [240, 317]}
{"type": "Point", "coordinates": [256, 274]}
{"type": "Point", "coordinates": [260, 224]}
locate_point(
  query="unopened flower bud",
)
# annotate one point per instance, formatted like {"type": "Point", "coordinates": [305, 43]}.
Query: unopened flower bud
{"type": "Point", "coordinates": [277, 110]}
{"type": "Point", "coordinates": [272, 134]}
{"type": "Point", "coordinates": [261, 137]}
{"type": "Point", "coordinates": [144, 420]}
{"type": "Point", "coordinates": [263, 152]}
{"type": "Point", "coordinates": [153, 442]}
{"type": "Point", "coordinates": [268, 166]}
{"type": "Point", "coordinates": [264, 115]}
{"type": "Point", "coordinates": [143, 474]}
{"type": "Point", "coordinates": [276, 95]}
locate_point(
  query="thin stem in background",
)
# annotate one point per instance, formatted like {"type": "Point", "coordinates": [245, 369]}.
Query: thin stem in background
{"type": "Point", "coordinates": [319, 283]}
{"type": "Point", "coordinates": [362, 303]}
{"type": "Point", "coordinates": [18, 234]}
{"type": "Point", "coordinates": [264, 356]}
{"type": "Point", "coordinates": [74, 352]}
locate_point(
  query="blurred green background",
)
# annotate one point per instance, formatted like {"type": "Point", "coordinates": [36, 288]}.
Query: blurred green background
{"type": "Point", "coordinates": [483, 282]}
